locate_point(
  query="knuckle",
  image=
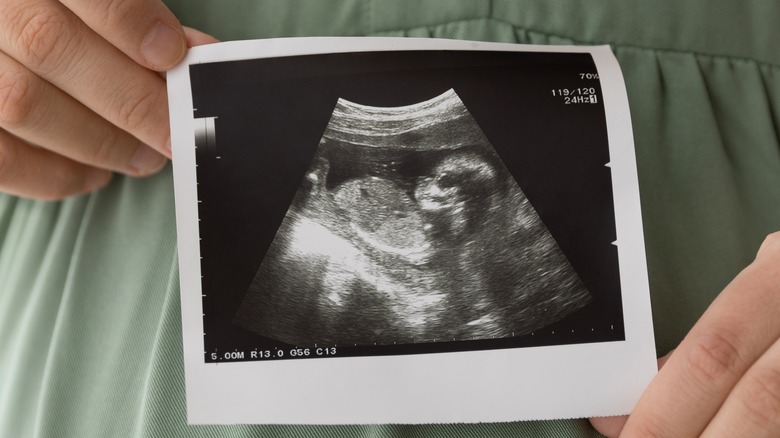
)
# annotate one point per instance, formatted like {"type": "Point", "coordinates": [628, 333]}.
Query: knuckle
{"type": "Point", "coordinates": [113, 14]}
{"type": "Point", "coordinates": [16, 98]}
{"type": "Point", "coordinates": [43, 35]}
{"type": "Point", "coordinates": [103, 151]}
{"type": "Point", "coordinates": [714, 356]}
{"type": "Point", "coordinates": [139, 108]}
{"type": "Point", "coordinates": [762, 398]}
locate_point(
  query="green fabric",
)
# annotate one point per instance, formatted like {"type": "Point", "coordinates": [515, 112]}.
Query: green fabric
{"type": "Point", "coordinates": [90, 329]}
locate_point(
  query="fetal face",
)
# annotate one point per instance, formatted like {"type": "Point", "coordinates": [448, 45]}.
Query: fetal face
{"type": "Point", "coordinates": [408, 227]}
{"type": "Point", "coordinates": [457, 193]}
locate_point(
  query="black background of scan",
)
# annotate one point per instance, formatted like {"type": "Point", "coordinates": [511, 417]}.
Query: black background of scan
{"type": "Point", "coordinates": [271, 116]}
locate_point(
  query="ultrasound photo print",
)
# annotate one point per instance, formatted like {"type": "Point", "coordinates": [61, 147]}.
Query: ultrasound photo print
{"type": "Point", "coordinates": [454, 225]}
{"type": "Point", "coordinates": [408, 228]}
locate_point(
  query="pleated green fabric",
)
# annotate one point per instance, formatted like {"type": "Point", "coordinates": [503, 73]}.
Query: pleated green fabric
{"type": "Point", "coordinates": [90, 332]}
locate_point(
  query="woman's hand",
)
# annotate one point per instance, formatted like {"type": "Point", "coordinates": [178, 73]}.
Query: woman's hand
{"type": "Point", "coordinates": [723, 380]}
{"type": "Point", "coordinates": [80, 96]}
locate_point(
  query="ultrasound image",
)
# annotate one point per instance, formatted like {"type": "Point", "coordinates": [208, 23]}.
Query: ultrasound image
{"type": "Point", "coordinates": [408, 228]}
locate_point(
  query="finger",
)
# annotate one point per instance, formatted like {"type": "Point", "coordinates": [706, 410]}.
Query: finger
{"type": "Point", "coordinates": [194, 38]}
{"type": "Point", "coordinates": [48, 39]}
{"type": "Point", "coordinates": [752, 410]}
{"type": "Point", "coordinates": [41, 114]}
{"type": "Point", "coordinates": [662, 361]}
{"type": "Point", "coordinates": [770, 247]}
{"type": "Point", "coordinates": [611, 426]}
{"type": "Point", "coordinates": [732, 334]}
{"type": "Point", "coordinates": [145, 30]}
{"type": "Point", "coordinates": [36, 173]}
{"type": "Point", "coordinates": [198, 38]}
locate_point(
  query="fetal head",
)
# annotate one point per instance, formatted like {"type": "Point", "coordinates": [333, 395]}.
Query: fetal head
{"type": "Point", "coordinates": [380, 213]}
{"type": "Point", "coordinates": [455, 195]}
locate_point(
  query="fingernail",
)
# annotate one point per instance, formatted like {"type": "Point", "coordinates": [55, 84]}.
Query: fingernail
{"type": "Point", "coordinates": [163, 46]}
{"type": "Point", "coordinates": [95, 179]}
{"type": "Point", "coordinates": [146, 160]}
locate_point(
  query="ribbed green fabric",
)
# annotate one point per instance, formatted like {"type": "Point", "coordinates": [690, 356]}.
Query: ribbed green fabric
{"type": "Point", "coordinates": [745, 29]}
{"type": "Point", "coordinates": [90, 334]}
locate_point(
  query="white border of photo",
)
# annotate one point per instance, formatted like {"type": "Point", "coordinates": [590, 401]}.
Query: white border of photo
{"type": "Point", "coordinates": [532, 383]}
